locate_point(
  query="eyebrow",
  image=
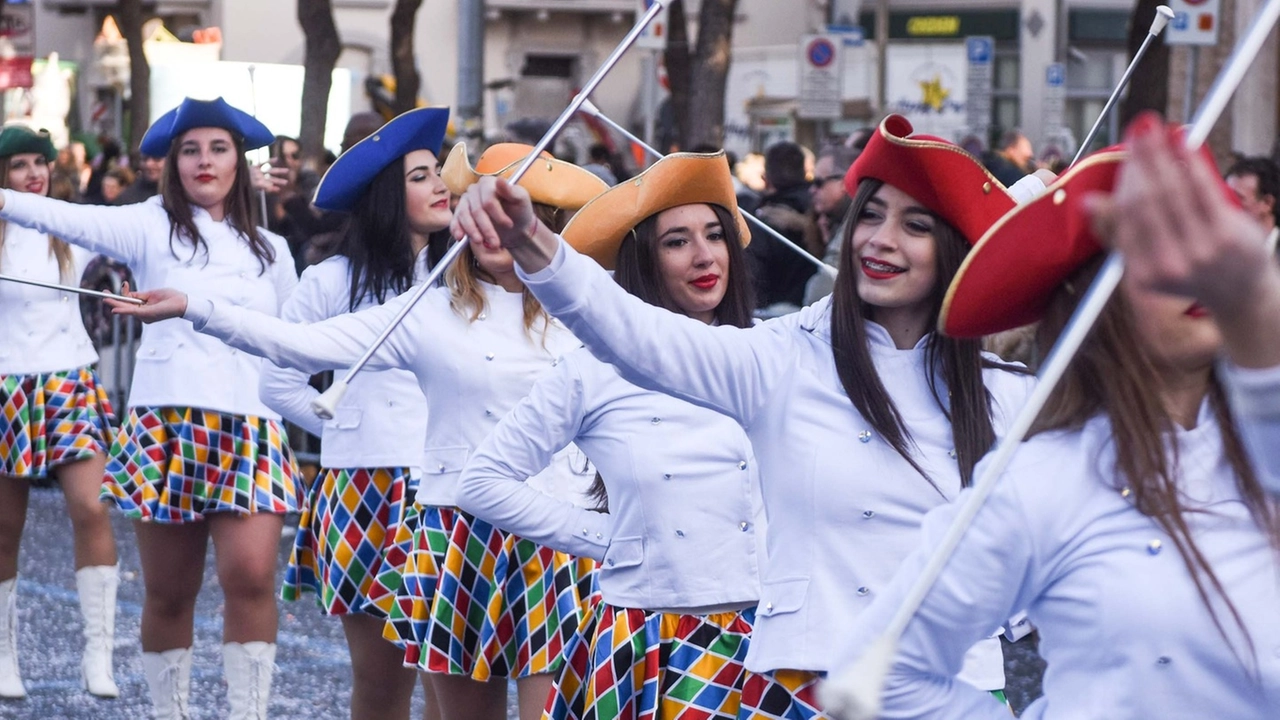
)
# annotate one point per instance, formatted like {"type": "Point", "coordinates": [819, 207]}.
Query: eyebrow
{"type": "Point", "coordinates": [910, 208]}
{"type": "Point", "coordinates": [419, 168]}
{"type": "Point", "coordinates": [683, 229]}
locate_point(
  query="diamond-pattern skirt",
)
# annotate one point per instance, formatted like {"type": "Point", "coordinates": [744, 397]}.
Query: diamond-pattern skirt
{"type": "Point", "coordinates": [781, 695]}
{"type": "Point", "coordinates": [345, 532]}
{"type": "Point", "coordinates": [48, 419]}
{"type": "Point", "coordinates": [410, 573]}
{"type": "Point", "coordinates": [630, 664]}
{"type": "Point", "coordinates": [176, 464]}
{"type": "Point", "coordinates": [505, 606]}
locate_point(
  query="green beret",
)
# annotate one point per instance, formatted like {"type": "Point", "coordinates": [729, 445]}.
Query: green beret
{"type": "Point", "coordinates": [17, 139]}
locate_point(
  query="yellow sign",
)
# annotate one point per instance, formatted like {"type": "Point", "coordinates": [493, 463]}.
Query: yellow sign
{"type": "Point", "coordinates": [933, 26]}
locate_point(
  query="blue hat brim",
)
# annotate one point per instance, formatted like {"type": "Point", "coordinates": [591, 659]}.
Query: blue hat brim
{"type": "Point", "coordinates": [203, 113]}
{"type": "Point", "coordinates": [349, 176]}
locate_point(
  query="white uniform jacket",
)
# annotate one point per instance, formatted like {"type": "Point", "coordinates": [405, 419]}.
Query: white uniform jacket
{"type": "Point", "coordinates": [176, 365]}
{"type": "Point", "coordinates": [382, 419]}
{"type": "Point", "coordinates": [471, 373]}
{"type": "Point", "coordinates": [844, 508]}
{"type": "Point", "coordinates": [40, 329]}
{"type": "Point", "coordinates": [1122, 626]}
{"type": "Point", "coordinates": [685, 527]}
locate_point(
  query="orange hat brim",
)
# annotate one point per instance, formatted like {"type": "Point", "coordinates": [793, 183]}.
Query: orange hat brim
{"type": "Point", "coordinates": [549, 181]}
{"type": "Point", "coordinates": [677, 179]}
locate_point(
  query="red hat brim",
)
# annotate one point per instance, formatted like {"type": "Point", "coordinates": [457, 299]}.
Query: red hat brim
{"type": "Point", "coordinates": [1009, 277]}
{"type": "Point", "coordinates": [938, 174]}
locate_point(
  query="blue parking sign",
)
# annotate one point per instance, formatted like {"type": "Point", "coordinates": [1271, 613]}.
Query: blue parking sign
{"type": "Point", "coordinates": [979, 50]}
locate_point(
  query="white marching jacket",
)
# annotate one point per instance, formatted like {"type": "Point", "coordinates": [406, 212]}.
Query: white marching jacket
{"type": "Point", "coordinates": [40, 329]}
{"type": "Point", "coordinates": [471, 373]}
{"type": "Point", "coordinates": [176, 366]}
{"type": "Point", "coordinates": [382, 420]}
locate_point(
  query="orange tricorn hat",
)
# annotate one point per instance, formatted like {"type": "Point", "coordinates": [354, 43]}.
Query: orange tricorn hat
{"type": "Point", "coordinates": [549, 181]}
{"type": "Point", "coordinates": [677, 179]}
{"type": "Point", "coordinates": [938, 174]}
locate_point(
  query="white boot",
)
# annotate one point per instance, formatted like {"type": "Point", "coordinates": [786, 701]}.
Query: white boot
{"type": "Point", "coordinates": [97, 587]}
{"type": "Point", "coordinates": [169, 682]}
{"type": "Point", "coordinates": [248, 667]}
{"type": "Point", "coordinates": [10, 678]}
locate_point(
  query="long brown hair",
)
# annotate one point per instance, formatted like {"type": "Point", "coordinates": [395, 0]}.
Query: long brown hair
{"type": "Point", "coordinates": [239, 208]}
{"type": "Point", "coordinates": [463, 279]}
{"type": "Point", "coordinates": [1113, 375]}
{"type": "Point", "coordinates": [637, 272]}
{"type": "Point", "coordinates": [954, 366]}
{"type": "Point", "coordinates": [58, 249]}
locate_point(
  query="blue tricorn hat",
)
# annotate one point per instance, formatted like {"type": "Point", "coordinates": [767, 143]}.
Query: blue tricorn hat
{"type": "Point", "coordinates": [203, 113]}
{"type": "Point", "coordinates": [346, 179]}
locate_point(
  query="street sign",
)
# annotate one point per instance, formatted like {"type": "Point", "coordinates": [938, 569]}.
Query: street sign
{"type": "Point", "coordinates": [1055, 98]}
{"type": "Point", "coordinates": [1195, 22]}
{"type": "Point", "coordinates": [654, 36]}
{"type": "Point", "coordinates": [980, 53]}
{"type": "Point", "coordinates": [821, 63]}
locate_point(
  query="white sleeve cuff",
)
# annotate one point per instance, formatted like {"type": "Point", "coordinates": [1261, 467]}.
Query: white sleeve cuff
{"type": "Point", "coordinates": [1027, 189]}
{"type": "Point", "coordinates": [1254, 393]}
{"type": "Point", "coordinates": [547, 272]}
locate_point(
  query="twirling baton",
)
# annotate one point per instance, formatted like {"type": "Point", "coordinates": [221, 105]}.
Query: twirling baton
{"type": "Point", "coordinates": [590, 109]}
{"type": "Point", "coordinates": [855, 693]}
{"type": "Point", "coordinates": [73, 289]}
{"type": "Point", "coordinates": [1162, 18]}
{"type": "Point", "coordinates": [326, 404]}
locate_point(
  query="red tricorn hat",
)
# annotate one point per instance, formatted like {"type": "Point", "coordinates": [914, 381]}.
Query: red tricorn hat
{"type": "Point", "coordinates": [1009, 277]}
{"type": "Point", "coordinates": [938, 174]}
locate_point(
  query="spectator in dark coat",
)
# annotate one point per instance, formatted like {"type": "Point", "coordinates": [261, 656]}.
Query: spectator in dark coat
{"type": "Point", "coordinates": [779, 272]}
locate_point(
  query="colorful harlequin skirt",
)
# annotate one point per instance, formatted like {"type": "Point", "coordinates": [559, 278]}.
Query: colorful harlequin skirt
{"type": "Point", "coordinates": [538, 599]}
{"type": "Point", "coordinates": [346, 530]}
{"type": "Point", "coordinates": [781, 695]}
{"type": "Point", "coordinates": [48, 419]}
{"type": "Point", "coordinates": [176, 464]}
{"type": "Point", "coordinates": [639, 665]}
{"type": "Point", "coordinates": [406, 585]}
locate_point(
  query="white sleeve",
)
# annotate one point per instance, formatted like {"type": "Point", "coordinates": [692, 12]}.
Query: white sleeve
{"type": "Point", "coordinates": [1027, 189]}
{"type": "Point", "coordinates": [331, 344]}
{"type": "Point", "coordinates": [118, 231]}
{"type": "Point", "coordinates": [985, 582]}
{"type": "Point", "coordinates": [492, 485]}
{"type": "Point", "coordinates": [285, 390]}
{"type": "Point", "coordinates": [727, 369]}
{"type": "Point", "coordinates": [1255, 403]}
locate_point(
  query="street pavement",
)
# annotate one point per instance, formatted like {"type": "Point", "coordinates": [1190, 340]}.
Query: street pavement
{"type": "Point", "coordinates": [313, 680]}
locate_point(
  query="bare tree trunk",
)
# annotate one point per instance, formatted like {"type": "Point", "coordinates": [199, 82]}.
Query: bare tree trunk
{"type": "Point", "coordinates": [679, 73]}
{"type": "Point", "coordinates": [321, 54]}
{"type": "Point", "coordinates": [402, 61]}
{"type": "Point", "coordinates": [139, 72]}
{"type": "Point", "coordinates": [1149, 86]}
{"type": "Point", "coordinates": [705, 121]}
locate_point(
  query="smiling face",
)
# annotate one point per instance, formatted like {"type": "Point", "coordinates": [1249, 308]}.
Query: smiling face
{"type": "Point", "coordinates": [896, 256]}
{"type": "Point", "coordinates": [425, 195]}
{"type": "Point", "coordinates": [207, 160]}
{"type": "Point", "coordinates": [28, 172]}
{"type": "Point", "coordinates": [693, 259]}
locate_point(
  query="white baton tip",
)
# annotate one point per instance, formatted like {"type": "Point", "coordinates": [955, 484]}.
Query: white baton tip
{"type": "Point", "coordinates": [326, 406]}
{"type": "Point", "coordinates": [589, 108]}
{"type": "Point", "coordinates": [1162, 18]}
{"type": "Point", "coordinates": [854, 694]}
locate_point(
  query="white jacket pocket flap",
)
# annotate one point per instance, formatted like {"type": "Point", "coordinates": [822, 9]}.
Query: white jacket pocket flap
{"type": "Point", "coordinates": [624, 552]}
{"type": "Point", "coordinates": [782, 596]}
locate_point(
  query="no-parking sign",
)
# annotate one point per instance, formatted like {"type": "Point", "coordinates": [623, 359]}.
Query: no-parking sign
{"type": "Point", "coordinates": [820, 79]}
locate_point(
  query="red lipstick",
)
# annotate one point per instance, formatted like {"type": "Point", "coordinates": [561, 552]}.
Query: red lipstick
{"type": "Point", "coordinates": [706, 282]}
{"type": "Point", "coordinates": [879, 269]}
{"type": "Point", "coordinates": [1197, 311]}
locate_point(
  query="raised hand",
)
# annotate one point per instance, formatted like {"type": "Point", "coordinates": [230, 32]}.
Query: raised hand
{"type": "Point", "coordinates": [162, 304]}
{"type": "Point", "coordinates": [495, 212]}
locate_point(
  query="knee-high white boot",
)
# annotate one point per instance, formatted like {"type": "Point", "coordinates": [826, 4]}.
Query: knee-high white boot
{"type": "Point", "coordinates": [169, 682]}
{"type": "Point", "coordinates": [10, 678]}
{"type": "Point", "coordinates": [248, 668]}
{"type": "Point", "coordinates": [97, 587]}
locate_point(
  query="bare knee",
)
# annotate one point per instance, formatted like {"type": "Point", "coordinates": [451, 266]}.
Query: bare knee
{"type": "Point", "coordinates": [169, 602]}
{"type": "Point", "coordinates": [249, 579]}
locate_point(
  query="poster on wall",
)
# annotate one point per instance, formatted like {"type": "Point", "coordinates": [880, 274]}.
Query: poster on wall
{"type": "Point", "coordinates": [927, 84]}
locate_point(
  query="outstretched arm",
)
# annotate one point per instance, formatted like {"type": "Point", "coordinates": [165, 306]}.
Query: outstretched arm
{"type": "Point", "coordinates": [120, 232]}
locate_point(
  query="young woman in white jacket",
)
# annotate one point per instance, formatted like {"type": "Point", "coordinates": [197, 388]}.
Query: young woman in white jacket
{"type": "Point", "coordinates": [862, 418]}
{"type": "Point", "coordinates": [1133, 525]}
{"type": "Point", "coordinates": [55, 419]}
{"type": "Point", "coordinates": [475, 345]}
{"type": "Point", "coordinates": [682, 540]}
{"type": "Point", "coordinates": [199, 456]}
{"type": "Point", "coordinates": [371, 451]}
